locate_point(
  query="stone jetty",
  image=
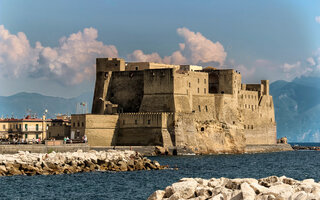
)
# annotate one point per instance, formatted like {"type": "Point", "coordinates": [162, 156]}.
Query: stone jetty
{"type": "Point", "coordinates": [270, 188]}
{"type": "Point", "coordinates": [25, 163]}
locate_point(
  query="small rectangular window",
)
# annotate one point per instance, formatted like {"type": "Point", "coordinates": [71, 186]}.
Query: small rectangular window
{"type": "Point", "coordinates": [205, 90]}
{"type": "Point", "coordinates": [135, 122]}
{"type": "Point", "coordinates": [198, 80]}
{"type": "Point", "coordinates": [199, 108]}
{"type": "Point", "coordinates": [189, 84]}
{"type": "Point", "coordinates": [198, 90]}
{"type": "Point", "coordinates": [149, 121]}
{"type": "Point", "coordinates": [205, 81]}
{"type": "Point", "coordinates": [245, 127]}
{"type": "Point", "coordinates": [206, 108]}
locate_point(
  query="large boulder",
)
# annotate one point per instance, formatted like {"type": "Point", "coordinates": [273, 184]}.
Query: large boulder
{"type": "Point", "coordinates": [157, 195]}
{"type": "Point", "coordinates": [185, 189]}
{"type": "Point", "coordinates": [247, 192]}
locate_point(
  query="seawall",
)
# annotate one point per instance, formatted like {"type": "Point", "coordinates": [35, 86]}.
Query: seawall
{"type": "Point", "coordinates": [144, 150]}
{"type": "Point", "coordinates": [41, 148]}
{"type": "Point", "coordinates": [268, 148]}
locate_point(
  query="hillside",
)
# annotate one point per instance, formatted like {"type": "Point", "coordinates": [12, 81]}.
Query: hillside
{"type": "Point", "coordinates": [18, 104]}
{"type": "Point", "coordinates": [297, 108]}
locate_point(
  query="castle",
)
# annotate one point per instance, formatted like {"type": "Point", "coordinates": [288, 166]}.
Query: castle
{"type": "Point", "coordinates": [206, 110]}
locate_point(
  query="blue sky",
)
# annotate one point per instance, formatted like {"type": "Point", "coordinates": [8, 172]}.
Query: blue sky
{"type": "Point", "coordinates": [263, 39]}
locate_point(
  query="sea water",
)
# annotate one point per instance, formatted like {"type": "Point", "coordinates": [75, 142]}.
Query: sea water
{"type": "Point", "coordinates": [140, 184]}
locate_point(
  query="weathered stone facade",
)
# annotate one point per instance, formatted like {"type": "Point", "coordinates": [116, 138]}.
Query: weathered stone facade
{"type": "Point", "coordinates": [207, 111]}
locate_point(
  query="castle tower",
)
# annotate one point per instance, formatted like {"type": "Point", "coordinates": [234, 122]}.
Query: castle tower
{"type": "Point", "coordinates": [104, 69]}
{"type": "Point", "coordinates": [265, 84]}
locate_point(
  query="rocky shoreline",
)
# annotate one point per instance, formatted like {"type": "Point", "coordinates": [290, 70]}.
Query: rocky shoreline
{"type": "Point", "coordinates": [25, 163]}
{"type": "Point", "coordinates": [311, 148]}
{"type": "Point", "coordinates": [270, 188]}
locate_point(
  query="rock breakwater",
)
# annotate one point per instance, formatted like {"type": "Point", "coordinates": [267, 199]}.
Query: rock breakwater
{"type": "Point", "coordinates": [25, 163]}
{"type": "Point", "coordinates": [311, 148]}
{"type": "Point", "coordinates": [270, 188]}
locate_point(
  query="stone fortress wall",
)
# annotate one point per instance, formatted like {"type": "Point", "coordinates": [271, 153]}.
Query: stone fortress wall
{"type": "Point", "coordinates": [207, 111]}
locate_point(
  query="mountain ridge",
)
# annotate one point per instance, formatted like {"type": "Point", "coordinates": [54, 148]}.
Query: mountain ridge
{"type": "Point", "coordinates": [17, 105]}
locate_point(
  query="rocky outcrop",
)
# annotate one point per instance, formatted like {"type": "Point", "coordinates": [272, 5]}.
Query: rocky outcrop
{"type": "Point", "coordinates": [204, 136]}
{"type": "Point", "coordinates": [25, 163]}
{"type": "Point", "coordinates": [270, 188]}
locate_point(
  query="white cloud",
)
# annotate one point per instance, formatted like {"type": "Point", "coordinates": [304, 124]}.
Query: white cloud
{"type": "Point", "coordinates": [72, 62]}
{"type": "Point", "coordinates": [289, 67]}
{"type": "Point", "coordinates": [311, 61]}
{"type": "Point", "coordinates": [247, 73]}
{"type": "Point", "coordinates": [294, 70]}
{"type": "Point", "coordinates": [138, 55]}
{"type": "Point", "coordinates": [196, 49]}
{"type": "Point", "coordinates": [317, 18]}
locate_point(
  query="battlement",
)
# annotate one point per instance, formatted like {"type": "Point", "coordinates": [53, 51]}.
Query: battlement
{"type": "Point", "coordinates": [110, 64]}
{"type": "Point", "coordinates": [262, 89]}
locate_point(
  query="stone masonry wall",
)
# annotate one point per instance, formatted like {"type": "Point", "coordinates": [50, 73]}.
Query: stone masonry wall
{"type": "Point", "coordinates": [145, 129]}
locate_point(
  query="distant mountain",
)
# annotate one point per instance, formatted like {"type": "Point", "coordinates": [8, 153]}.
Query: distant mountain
{"type": "Point", "coordinates": [297, 108]}
{"type": "Point", "coordinates": [18, 104]}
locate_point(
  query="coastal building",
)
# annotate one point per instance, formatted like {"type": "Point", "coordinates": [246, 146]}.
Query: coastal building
{"type": "Point", "coordinates": [206, 110]}
{"type": "Point", "coordinates": [60, 127]}
{"type": "Point", "coordinates": [28, 128]}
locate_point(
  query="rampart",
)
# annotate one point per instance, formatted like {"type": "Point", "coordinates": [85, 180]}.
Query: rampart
{"type": "Point", "coordinates": [145, 129]}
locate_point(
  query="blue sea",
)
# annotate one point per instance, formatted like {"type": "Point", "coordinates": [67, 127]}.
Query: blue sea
{"type": "Point", "coordinates": [140, 184]}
